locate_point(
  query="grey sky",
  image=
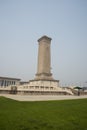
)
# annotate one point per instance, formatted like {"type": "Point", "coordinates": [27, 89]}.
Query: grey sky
{"type": "Point", "coordinates": [23, 22]}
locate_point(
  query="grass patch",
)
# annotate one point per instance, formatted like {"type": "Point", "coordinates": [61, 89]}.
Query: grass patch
{"type": "Point", "coordinates": [43, 115]}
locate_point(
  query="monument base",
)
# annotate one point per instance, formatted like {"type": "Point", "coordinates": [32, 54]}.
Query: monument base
{"type": "Point", "coordinates": [44, 84]}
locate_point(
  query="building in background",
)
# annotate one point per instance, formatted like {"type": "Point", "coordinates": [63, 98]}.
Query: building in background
{"type": "Point", "coordinates": [7, 81]}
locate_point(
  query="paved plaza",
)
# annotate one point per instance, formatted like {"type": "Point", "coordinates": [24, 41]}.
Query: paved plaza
{"type": "Point", "coordinates": [41, 97]}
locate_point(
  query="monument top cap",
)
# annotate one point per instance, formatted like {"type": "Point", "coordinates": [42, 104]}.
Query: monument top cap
{"type": "Point", "coordinates": [44, 37]}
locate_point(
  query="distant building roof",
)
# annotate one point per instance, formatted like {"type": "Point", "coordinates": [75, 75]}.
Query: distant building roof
{"type": "Point", "coordinates": [9, 78]}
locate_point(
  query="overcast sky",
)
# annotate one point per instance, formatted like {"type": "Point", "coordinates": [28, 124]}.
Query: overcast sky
{"type": "Point", "coordinates": [23, 22]}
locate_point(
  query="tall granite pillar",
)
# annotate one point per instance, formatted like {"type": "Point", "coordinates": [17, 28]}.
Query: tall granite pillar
{"type": "Point", "coordinates": [44, 59]}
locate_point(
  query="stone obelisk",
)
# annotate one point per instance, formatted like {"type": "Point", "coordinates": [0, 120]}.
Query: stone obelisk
{"type": "Point", "coordinates": [44, 59]}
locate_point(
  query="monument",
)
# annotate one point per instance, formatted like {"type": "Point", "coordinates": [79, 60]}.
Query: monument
{"type": "Point", "coordinates": [44, 59]}
{"type": "Point", "coordinates": [43, 76]}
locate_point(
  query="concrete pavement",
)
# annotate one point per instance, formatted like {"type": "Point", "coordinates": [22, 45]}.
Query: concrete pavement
{"type": "Point", "coordinates": [42, 97]}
